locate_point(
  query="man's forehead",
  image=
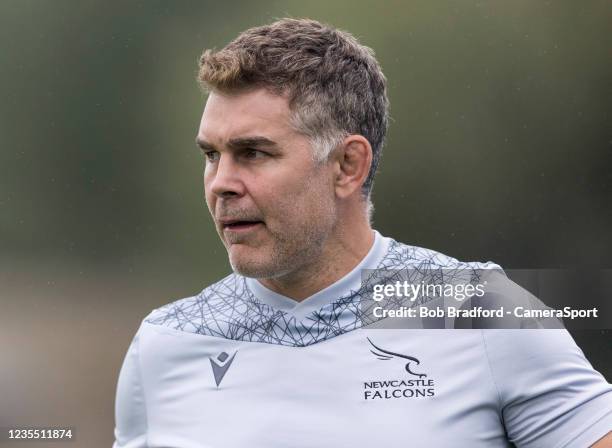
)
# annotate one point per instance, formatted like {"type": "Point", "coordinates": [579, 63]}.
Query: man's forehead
{"type": "Point", "coordinates": [229, 116]}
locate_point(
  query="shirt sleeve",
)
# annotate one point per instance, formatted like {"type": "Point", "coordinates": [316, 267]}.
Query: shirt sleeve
{"type": "Point", "coordinates": [130, 408]}
{"type": "Point", "coordinates": [549, 394]}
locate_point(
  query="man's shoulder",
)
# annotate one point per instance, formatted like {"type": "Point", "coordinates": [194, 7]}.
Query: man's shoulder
{"type": "Point", "coordinates": [406, 256]}
{"type": "Point", "coordinates": [216, 300]}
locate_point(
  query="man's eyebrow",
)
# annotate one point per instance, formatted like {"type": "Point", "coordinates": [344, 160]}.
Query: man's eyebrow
{"type": "Point", "coordinates": [240, 143]}
{"type": "Point", "coordinates": [203, 144]}
{"type": "Point", "coordinates": [250, 142]}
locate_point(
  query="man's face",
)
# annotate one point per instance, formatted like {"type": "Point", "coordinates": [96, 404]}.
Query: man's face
{"type": "Point", "coordinates": [273, 206]}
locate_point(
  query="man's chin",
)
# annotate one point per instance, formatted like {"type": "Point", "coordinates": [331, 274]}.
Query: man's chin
{"type": "Point", "coordinates": [253, 270]}
{"type": "Point", "coordinates": [254, 267]}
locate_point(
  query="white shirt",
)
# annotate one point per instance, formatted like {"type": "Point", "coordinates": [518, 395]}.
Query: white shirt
{"type": "Point", "coordinates": [239, 365]}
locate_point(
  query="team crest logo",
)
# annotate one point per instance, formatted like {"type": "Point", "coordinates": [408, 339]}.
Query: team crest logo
{"type": "Point", "coordinates": [416, 386]}
{"type": "Point", "coordinates": [385, 355]}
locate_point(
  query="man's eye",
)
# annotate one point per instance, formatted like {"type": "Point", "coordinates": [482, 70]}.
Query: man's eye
{"type": "Point", "coordinates": [254, 154]}
{"type": "Point", "coordinates": [212, 156]}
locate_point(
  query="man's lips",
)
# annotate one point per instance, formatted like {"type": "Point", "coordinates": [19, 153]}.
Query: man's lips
{"type": "Point", "coordinates": [237, 225]}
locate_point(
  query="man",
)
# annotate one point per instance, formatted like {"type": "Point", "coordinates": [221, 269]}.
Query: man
{"type": "Point", "coordinates": [278, 354]}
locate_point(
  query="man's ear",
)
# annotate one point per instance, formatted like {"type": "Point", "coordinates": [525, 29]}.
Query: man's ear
{"type": "Point", "coordinates": [353, 160]}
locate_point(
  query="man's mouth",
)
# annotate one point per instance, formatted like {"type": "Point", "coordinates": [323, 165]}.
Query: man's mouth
{"type": "Point", "coordinates": [237, 225]}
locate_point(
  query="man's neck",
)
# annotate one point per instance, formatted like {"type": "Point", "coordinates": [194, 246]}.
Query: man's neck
{"type": "Point", "coordinates": [340, 255]}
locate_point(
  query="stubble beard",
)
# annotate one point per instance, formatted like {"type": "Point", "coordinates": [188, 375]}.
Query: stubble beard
{"type": "Point", "coordinates": [297, 244]}
{"type": "Point", "coordinates": [290, 250]}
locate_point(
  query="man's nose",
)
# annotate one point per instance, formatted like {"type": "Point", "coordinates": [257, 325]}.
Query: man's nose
{"type": "Point", "coordinates": [225, 179]}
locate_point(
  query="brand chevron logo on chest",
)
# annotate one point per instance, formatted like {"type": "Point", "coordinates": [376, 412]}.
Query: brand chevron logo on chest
{"type": "Point", "coordinates": [220, 365]}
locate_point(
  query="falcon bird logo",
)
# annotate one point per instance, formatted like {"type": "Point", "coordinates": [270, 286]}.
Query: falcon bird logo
{"type": "Point", "coordinates": [385, 355]}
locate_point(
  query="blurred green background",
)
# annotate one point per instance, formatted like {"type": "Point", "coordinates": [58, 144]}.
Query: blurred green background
{"type": "Point", "coordinates": [500, 148]}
